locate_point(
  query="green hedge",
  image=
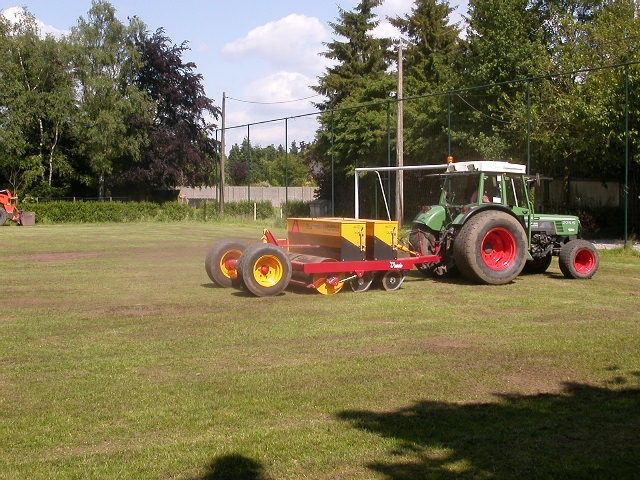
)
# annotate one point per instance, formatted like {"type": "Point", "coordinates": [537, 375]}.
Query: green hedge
{"type": "Point", "coordinates": [121, 212]}
{"type": "Point", "coordinates": [602, 222]}
{"type": "Point", "coordinates": [99, 212]}
{"type": "Point", "coordinates": [297, 208]}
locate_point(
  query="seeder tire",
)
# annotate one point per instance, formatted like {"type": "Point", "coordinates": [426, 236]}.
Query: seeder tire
{"type": "Point", "coordinates": [579, 259]}
{"type": "Point", "coordinates": [265, 269]}
{"type": "Point", "coordinates": [217, 262]}
{"type": "Point", "coordinates": [392, 279]}
{"type": "Point", "coordinates": [491, 248]}
{"type": "Point", "coordinates": [363, 283]}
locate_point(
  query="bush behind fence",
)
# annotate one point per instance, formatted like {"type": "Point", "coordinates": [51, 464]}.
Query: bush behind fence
{"type": "Point", "coordinates": [56, 212]}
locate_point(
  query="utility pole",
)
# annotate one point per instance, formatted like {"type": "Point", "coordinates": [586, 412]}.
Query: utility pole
{"type": "Point", "coordinates": [400, 144]}
{"type": "Point", "coordinates": [222, 152]}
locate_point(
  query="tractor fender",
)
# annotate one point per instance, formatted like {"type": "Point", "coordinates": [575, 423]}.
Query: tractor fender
{"type": "Point", "coordinates": [433, 217]}
{"type": "Point", "coordinates": [483, 208]}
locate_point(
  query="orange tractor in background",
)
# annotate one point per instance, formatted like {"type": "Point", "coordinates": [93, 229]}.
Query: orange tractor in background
{"type": "Point", "coordinates": [10, 211]}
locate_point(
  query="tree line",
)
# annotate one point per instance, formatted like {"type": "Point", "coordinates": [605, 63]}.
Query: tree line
{"type": "Point", "coordinates": [545, 91]}
{"type": "Point", "coordinates": [269, 166]}
{"type": "Point", "coordinates": [108, 108]}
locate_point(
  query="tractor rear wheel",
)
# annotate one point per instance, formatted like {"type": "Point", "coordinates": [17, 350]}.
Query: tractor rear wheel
{"type": "Point", "coordinates": [491, 248]}
{"type": "Point", "coordinates": [265, 269]}
{"type": "Point", "coordinates": [578, 259]}
{"type": "Point", "coordinates": [3, 216]}
{"type": "Point", "coordinates": [222, 260]}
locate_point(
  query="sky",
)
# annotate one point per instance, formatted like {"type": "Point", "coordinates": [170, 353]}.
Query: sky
{"type": "Point", "coordinates": [263, 55]}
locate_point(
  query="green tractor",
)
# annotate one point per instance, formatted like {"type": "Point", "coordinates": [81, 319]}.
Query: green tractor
{"type": "Point", "coordinates": [485, 227]}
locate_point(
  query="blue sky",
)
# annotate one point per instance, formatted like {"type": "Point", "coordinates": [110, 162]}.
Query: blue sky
{"type": "Point", "coordinates": [262, 53]}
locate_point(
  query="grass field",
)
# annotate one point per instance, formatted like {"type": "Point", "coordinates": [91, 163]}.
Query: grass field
{"type": "Point", "coordinates": [121, 360]}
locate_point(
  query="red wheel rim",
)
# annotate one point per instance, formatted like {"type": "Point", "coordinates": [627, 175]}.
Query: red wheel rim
{"type": "Point", "coordinates": [584, 261]}
{"type": "Point", "coordinates": [498, 249]}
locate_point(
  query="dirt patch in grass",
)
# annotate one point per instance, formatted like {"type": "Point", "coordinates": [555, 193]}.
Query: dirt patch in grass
{"type": "Point", "coordinates": [60, 256]}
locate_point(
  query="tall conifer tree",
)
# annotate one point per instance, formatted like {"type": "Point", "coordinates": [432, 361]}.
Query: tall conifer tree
{"type": "Point", "coordinates": [431, 62]}
{"type": "Point", "coordinates": [348, 136]}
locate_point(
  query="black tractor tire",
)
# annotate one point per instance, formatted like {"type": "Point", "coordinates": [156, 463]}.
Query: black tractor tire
{"type": "Point", "coordinates": [579, 259]}
{"type": "Point", "coordinates": [265, 269]}
{"type": "Point", "coordinates": [216, 261]}
{"type": "Point", "coordinates": [491, 248]}
{"type": "Point", "coordinates": [538, 264]}
{"type": "Point", "coordinates": [3, 216]}
{"type": "Point", "coordinates": [422, 241]}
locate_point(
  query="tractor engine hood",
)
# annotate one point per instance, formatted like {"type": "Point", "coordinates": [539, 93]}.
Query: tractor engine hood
{"type": "Point", "coordinates": [555, 224]}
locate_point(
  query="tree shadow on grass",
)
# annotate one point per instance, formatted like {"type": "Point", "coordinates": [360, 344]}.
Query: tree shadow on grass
{"type": "Point", "coordinates": [583, 432]}
{"type": "Point", "coordinates": [234, 467]}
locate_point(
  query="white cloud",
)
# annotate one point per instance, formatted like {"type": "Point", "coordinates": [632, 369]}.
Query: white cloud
{"type": "Point", "coordinates": [280, 87]}
{"type": "Point", "coordinates": [388, 8]}
{"type": "Point", "coordinates": [271, 99]}
{"type": "Point", "coordinates": [297, 129]}
{"type": "Point", "coordinates": [394, 8]}
{"type": "Point", "coordinates": [402, 8]}
{"type": "Point", "coordinates": [293, 42]}
{"type": "Point", "coordinates": [17, 14]}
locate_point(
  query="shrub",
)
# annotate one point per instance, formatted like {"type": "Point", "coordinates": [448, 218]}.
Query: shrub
{"type": "Point", "coordinates": [297, 208]}
{"type": "Point", "coordinates": [172, 212]}
{"type": "Point", "coordinates": [92, 212]}
{"type": "Point", "coordinates": [60, 211]}
{"type": "Point", "coordinates": [245, 209]}
{"type": "Point", "coordinates": [600, 222]}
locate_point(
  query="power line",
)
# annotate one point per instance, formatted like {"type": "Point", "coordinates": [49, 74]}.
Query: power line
{"type": "Point", "coordinates": [472, 107]}
{"type": "Point", "coordinates": [274, 103]}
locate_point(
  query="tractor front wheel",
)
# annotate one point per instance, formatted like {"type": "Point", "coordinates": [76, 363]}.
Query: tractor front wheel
{"type": "Point", "coordinates": [265, 269]}
{"type": "Point", "coordinates": [491, 248]}
{"type": "Point", "coordinates": [578, 259]}
{"type": "Point", "coordinates": [222, 260]}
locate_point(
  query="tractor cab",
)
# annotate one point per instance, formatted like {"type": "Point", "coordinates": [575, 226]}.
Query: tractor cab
{"type": "Point", "coordinates": [468, 187]}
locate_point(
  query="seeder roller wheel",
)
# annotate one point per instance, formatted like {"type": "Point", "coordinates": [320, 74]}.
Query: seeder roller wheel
{"type": "Point", "coordinates": [265, 269]}
{"type": "Point", "coordinates": [222, 260]}
{"type": "Point", "coordinates": [323, 283]}
{"type": "Point", "coordinates": [328, 283]}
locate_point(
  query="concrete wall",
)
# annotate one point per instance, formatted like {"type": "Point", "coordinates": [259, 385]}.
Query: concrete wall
{"type": "Point", "coordinates": [586, 193]}
{"type": "Point", "coordinates": [276, 195]}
